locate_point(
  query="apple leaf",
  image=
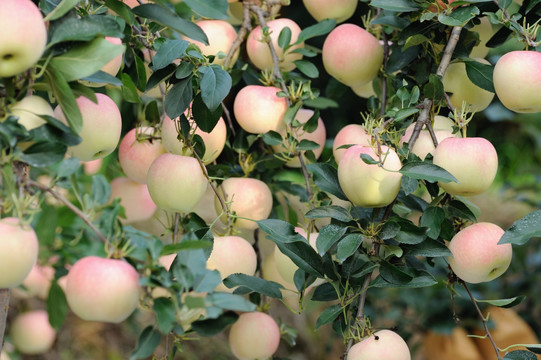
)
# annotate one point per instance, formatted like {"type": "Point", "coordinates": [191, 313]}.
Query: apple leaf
{"type": "Point", "coordinates": [395, 5]}
{"type": "Point", "coordinates": [326, 178]}
{"type": "Point", "coordinates": [178, 98]}
{"type": "Point", "coordinates": [211, 327]}
{"type": "Point", "coordinates": [523, 229]}
{"type": "Point", "coordinates": [205, 119]}
{"type": "Point", "coordinates": [212, 9]}
{"type": "Point", "coordinates": [321, 28]}
{"type": "Point", "coordinates": [304, 256]}
{"type": "Point", "coordinates": [148, 341]}
{"type": "Point", "coordinates": [42, 154]}
{"type": "Point", "coordinates": [284, 38]}
{"type": "Point", "coordinates": [424, 171]}
{"type": "Point", "coordinates": [348, 246]}
{"type": "Point", "coordinates": [101, 77]}
{"type": "Point", "coordinates": [129, 91]}
{"type": "Point", "coordinates": [328, 236]}
{"type": "Point", "coordinates": [432, 219]}
{"type": "Point", "coordinates": [215, 85]}
{"type": "Point", "coordinates": [61, 9]}
{"type": "Point", "coordinates": [504, 303]}
{"type": "Point", "coordinates": [169, 51]}
{"type": "Point", "coordinates": [423, 279]}
{"type": "Point", "coordinates": [62, 92]}
{"type": "Point", "coordinates": [159, 76]}
{"type": "Point", "coordinates": [57, 306]}
{"type": "Point", "coordinates": [536, 348]}
{"type": "Point", "coordinates": [332, 211]}
{"type": "Point", "coordinates": [165, 314]}
{"type": "Point", "coordinates": [393, 274]}
{"type": "Point", "coordinates": [480, 74]}
{"type": "Point", "coordinates": [230, 302]}
{"type": "Point", "coordinates": [307, 68]}
{"type": "Point", "coordinates": [459, 16]}
{"type": "Point", "coordinates": [280, 231]}
{"type": "Point", "coordinates": [84, 29]}
{"type": "Point", "coordinates": [520, 355]}
{"type": "Point", "coordinates": [428, 248]}
{"type": "Point", "coordinates": [254, 283]}
{"type": "Point", "coordinates": [328, 315]}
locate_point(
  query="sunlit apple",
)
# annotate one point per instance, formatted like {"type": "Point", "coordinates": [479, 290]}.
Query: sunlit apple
{"type": "Point", "coordinates": [339, 10]}
{"type": "Point", "coordinates": [258, 110]}
{"type": "Point", "coordinates": [255, 335]}
{"type": "Point", "coordinates": [29, 109]}
{"type": "Point", "coordinates": [443, 128]}
{"type": "Point", "coordinates": [134, 197]}
{"type": "Point", "coordinates": [383, 344]}
{"type": "Point", "coordinates": [351, 134]}
{"type": "Point", "coordinates": [221, 36]}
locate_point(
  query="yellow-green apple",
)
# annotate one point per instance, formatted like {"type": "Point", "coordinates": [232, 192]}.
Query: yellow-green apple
{"type": "Point", "coordinates": [472, 161]}
{"type": "Point", "coordinates": [352, 134]}
{"type": "Point", "coordinates": [476, 255]}
{"type": "Point", "coordinates": [517, 81]}
{"type": "Point", "coordinates": [269, 271]}
{"type": "Point", "coordinates": [101, 129]}
{"type": "Point", "coordinates": [18, 251]}
{"type": "Point", "coordinates": [319, 135]}
{"type": "Point", "coordinates": [36, 283]}
{"type": "Point", "coordinates": [339, 10]}
{"type": "Point", "coordinates": [29, 109]}
{"type": "Point", "coordinates": [114, 64]}
{"type": "Point", "coordinates": [383, 344]}
{"type": "Point", "coordinates": [136, 152]}
{"type": "Point", "coordinates": [24, 36]}
{"type": "Point", "coordinates": [364, 90]}
{"type": "Point", "coordinates": [443, 128]}
{"type": "Point", "coordinates": [370, 185]}
{"type": "Point", "coordinates": [352, 55]}
{"type": "Point", "coordinates": [255, 335]}
{"type": "Point", "coordinates": [251, 201]}
{"type": "Point", "coordinates": [456, 81]}
{"type": "Point", "coordinates": [259, 52]}
{"type": "Point", "coordinates": [485, 31]}
{"type": "Point", "coordinates": [92, 167]}
{"type": "Point", "coordinates": [31, 332]}
{"type": "Point", "coordinates": [221, 36]}
{"type": "Point", "coordinates": [258, 110]}
{"type": "Point", "coordinates": [231, 255]}
{"type": "Point", "coordinates": [134, 197]}
{"type": "Point", "coordinates": [176, 182]}
{"type": "Point", "coordinates": [214, 140]}
{"type": "Point", "coordinates": [105, 290]}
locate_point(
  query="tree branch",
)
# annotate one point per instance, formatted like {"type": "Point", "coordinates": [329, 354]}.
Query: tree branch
{"type": "Point", "coordinates": [245, 27]}
{"type": "Point", "coordinates": [4, 309]}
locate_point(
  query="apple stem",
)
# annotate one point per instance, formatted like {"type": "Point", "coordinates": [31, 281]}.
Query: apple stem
{"type": "Point", "coordinates": [4, 309]}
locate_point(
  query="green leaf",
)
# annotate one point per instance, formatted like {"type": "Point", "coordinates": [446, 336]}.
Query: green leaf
{"type": "Point", "coordinates": [536, 348]}
{"type": "Point", "coordinates": [520, 355]}
{"type": "Point", "coordinates": [185, 245]}
{"type": "Point", "coordinates": [230, 302]}
{"type": "Point", "coordinates": [523, 229]}
{"type": "Point", "coordinates": [332, 211]}
{"type": "Point", "coordinates": [480, 74]}
{"type": "Point", "coordinates": [284, 38]}
{"type": "Point", "coordinates": [395, 5]}
{"type": "Point", "coordinates": [42, 154]}
{"type": "Point", "coordinates": [62, 92]}
{"type": "Point", "coordinates": [279, 230]}
{"type": "Point", "coordinates": [428, 248]}
{"type": "Point", "coordinates": [254, 283]}
{"type": "Point", "coordinates": [211, 327]}
{"type": "Point", "coordinates": [84, 29]}
{"type": "Point", "coordinates": [434, 88]}
{"type": "Point", "coordinates": [306, 145]}
{"type": "Point", "coordinates": [405, 113]}
{"type": "Point", "coordinates": [307, 68]}
{"type": "Point", "coordinates": [101, 190]}
{"type": "Point", "coordinates": [504, 303]}
{"type": "Point", "coordinates": [348, 246]}
{"type": "Point", "coordinates": [101, 77]}
{"type": "Point", "coordinates": [212, 9]}
{"type": "Point", "coordinates": [170, 50]}
{"type": "Point", "coordinates": [432, 219]}
{"type": "Point", "coordinates": [165, 314]}
{"type": "Point", "coordinates": [121, 10]}
{"type": "Point", "coordinates": [57, 306]}
{"type": "Point", "coordinates": [417, 282]}
{"type": "Point", "coordinates": [367, 159]}
{"type": "Point", "coordinates": [61, 9]}
{"type": "Point", "coordinates": [328, 236]}
{"type": "Point", "coordinates": [459, 209]}
{"type": "Point", "coordinates": [321, 103]}
{"type": "Point", "coordinates": [129, 91]}
{"type": "Point", "coordinates": [326, 178]}
{"type": "Point", "coordinates": [86, 59]}
{"type": "Point", "coordinates": [178, 98]}
{"type": "Point", "coordinates": [148, 341]}
{"type": "Point", "coordinates": [272, 138]}
{"type": "Point", "coordinates": [205, 119]}
{"type": "Point", "coordinates": [291, 112]}
{"type": "Point", "coordinates": [424, 171]}
{"type": "Point", "coordinates": [321, 28]}
{"type": "Point", "coordinates": [303, 255]}
{"type": "Point", "coordinates": [168, 18]}
{"type": "Point", "coordinates": [459, 16]}
{"type": "Point", "coordinates": [215, 85]}
{"type": "Point", "coordinates": [392, 274]}
{"type": "Point", "coordinates": [328, 315]}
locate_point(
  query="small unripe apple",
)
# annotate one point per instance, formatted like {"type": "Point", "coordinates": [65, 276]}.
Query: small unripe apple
{"type": "Point", "coordinates": [255, 335]}
{"type": "Point", "coordinates": [352, 134]}
{"type": "Point", "coordinates": [383, 344]}
{"type": "Point", "coordinates": [136, 152]}
{"type": "Point", "coordinates": [28, 110]}
{"type": "Point", "coordinates": [339, 10]}
{"type": "Point", "coordinates": [370, 185]}
{"type": "Point", "coordinates": [251, 201]}
{"type": "Point", "coordinates": [259, 52]}
{"type": "Point", "coordinates": [24, 36]}
{"type": "Point", "coordinates": [134, 197]}
{"type": "Point", "coordinates": [101, 289]}
{"type": "Point", "coordinates": [18, 252]}
{"type": "Point", "coordinates": [102, 124]}
{"type": "Point", "coordinates": [31, 332]}
{"type": "Point", "coordinates": [443, 128]}
{"type": "Point", "coordinates": [258, 110]}
{"type": "Point", "coordinates": [472, 161]}
{"type": "Point", "coordinates": [231, 255]}
{"type": "Point", "coordinates": [176, 183]}
{"type": "Point", "coordinates": [221, 36]}
{"type": "Point", "coordinates": [477, 257]}
{"type": "Point", "coordinates": [352, 55]}
{"type": "Point", "coordinates": [517, 81]}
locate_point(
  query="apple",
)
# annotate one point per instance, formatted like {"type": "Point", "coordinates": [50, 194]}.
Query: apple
{"type": "Point", "coordinates": [102, 125]}
{"type": "Point", "coordinates": [18, 252]}
{"type": "Point", "coordinates": [114, 64]}
{"type": "Point", "coordinates": [221, 36]}
{"type": "Point", "coordinates": [176, 183]}
{"type": "Point", "coordinates": [269, 271]}
{"type": "Point", "coordinates": [517, 81]}
{"type": "Point", "coordinates": [456, 81]}
{"type": "Point", "coordinates": [29, 109]}
{"type": "Point", "coordinates": [134, 198]}
{"type": "Point", "coordinates": [92, 167]}
{"type": "Point", "coordinates": [251, 201]}
{"type": "Point", "coordinates": [31, 332]}
{"type": "Point", "coordinates": [255, 335]}
{"type": "Point", "coordinates": [136, 152]}
{"type": "Point", "coordinates": [477, 256]}
{"type": "Point", "coordinates": [443, 128]}
{"type": "Point", "coordinates": [472, 161]}
{"type": "Point", "coordinates": [485, 32]}
{"type": "Point", "coordinates": [339, 10]}
{"type": "Point", "coordinates": [259, 52]}
{"type": "Point", "coordinates": [101, 289]}
{"type": "Point", "coordinates": [258, 110]}
{"type": "Point", "coordinates": [286, 267]}
{"type": "Point", "coordinates": [36, 283]}
{"type": "Point", "coordinates": [352, 55]}
{"type": "Point", "coordinates": [352, 134]}
{"type": "Point", "coordinates": [456, 346]}
{"type": "Point", "coordinates": [231, 255]}
{"type": "Point", "coordinates": [364, 90]}
{"type": "Point", "coordinates": [370, 185]}
{"type": "Point", "coordinates": [383, 344]}
{"type": "Point", "coordinates": [214, 140]}
{"type": "Point", "coordinates": [24, 36]}
{"type": "Point", "coordinates": [319, 135]}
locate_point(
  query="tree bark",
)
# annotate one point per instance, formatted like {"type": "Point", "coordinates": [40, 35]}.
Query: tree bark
{"type": "Point", "coordinates": [4, 308]}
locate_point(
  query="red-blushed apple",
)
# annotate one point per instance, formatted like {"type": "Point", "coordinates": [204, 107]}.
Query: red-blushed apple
{"type": "Point", "coordinates": [477, 257]}
{"type": "Point", "coordinates": [92, 167]}
{"type": "Point", "coordinates": [319, 135]}
{"type": "Point", "coordinates": [517, 81]}
{"type": "Point", "coordinates": [221, 36]}
{"type": "Point", "coordinates": [472, 161]}
{"type": "Point", "coordinates": [258, 110]}
{"type": "Point", "coordinates": [352, 134]}
{"type": "Point", "coordinates": [383, 344]}
{"type": "Point", "coordinates": [18, 251]}
{"type": "Point", "coordinates": [36, 283]}
{"type": "Point", "coordinates": [24, 36]}
{"type": "Point", "coordinates": [102, 124]}
{"type": "Point", "coordinates": [339, 10]}
{"type": "Point", "coordinates": [134, 197]}
{"type": "Point", "coordinates": [214, 140]}
{"type": "Point", "coordinates": [456, 81]}
{"type": "Point", "coordinates": [255, 335]}
{"type": "Point", "coordinates": [31, 332]}
{"type": "Point", "coordinates": [443, 128]}
{"type": "Point", "coordinates": [136, 152]}
{"type": "Point", "coordinates": [100, 289]}
{"type": "Point", "coordinates": [176, 183]}
{"type": "Point", "coordinates": [370, 185]}
{"type": "Point", "coordinates": [251, 201]}
{"type": "Point", "coordinates": [231, 255]}
{"type": "Point", "coordinates": [29, 109]}
{"type": "Point", "coordinates": [352, 55]}
{"type": "Point", "coordinates": [114, 64]}
{"type": "Point", "coordinates": [259, 52]}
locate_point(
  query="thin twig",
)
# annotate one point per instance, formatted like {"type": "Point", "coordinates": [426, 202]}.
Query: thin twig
{"type": "Point", "coordinates": [228, 119]}
{"type": "Point", "coordinates": [4, 309]}
{"type": "Point", "coordinates": [245, 27]}
{"type": "Point", "coordinates": [360, 309]}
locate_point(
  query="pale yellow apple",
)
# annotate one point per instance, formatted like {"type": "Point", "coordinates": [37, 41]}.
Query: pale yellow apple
{"type": "Point", "coordinates": [113, 66]}
{"type": "Point", "coordinates": [134, 197]}
{"type": "Point", "coordinates": [286, 267]}
{"type": "Point", "coordinates": [339, 10]}
{"type": "Point", "coordinates": [31, 332]}
{"type": "Point", "coordinates": [352, 134]}
{"type": "Point", "coordinates": [258, 110]}
{"type": "Point", "coordinates": [485, 31]}
{"type": "Point", "coordinates": [37, 283]}
{"type": "Point", "coordinates": [443, 128]}
{"type": "Point", "coordinates": [29, 109]}
{"type": "Point", "coordinates": [255, 335]}
{"type": "Point", "coordinates": [364, 90]}
{"type": "Point", "coordinates": [383, 344]}
{"type": "Point", "coordinates": [221, 36]}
